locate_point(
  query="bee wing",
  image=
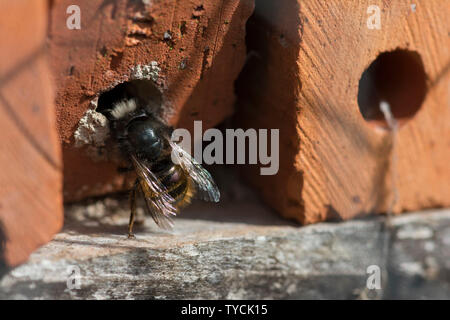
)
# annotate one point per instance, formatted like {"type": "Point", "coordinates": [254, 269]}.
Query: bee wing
{"type": "Point", "coordinates": [206, 187]}
{"type": "Point", "coordinates": [158, 200]}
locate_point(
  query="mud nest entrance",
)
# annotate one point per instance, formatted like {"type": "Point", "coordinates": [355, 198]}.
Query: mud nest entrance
{"type": "Point", "coordinates": [144, 91]}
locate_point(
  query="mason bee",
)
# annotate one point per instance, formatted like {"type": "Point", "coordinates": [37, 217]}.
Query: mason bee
{"type": "Point", "coordinates": [145, 143]}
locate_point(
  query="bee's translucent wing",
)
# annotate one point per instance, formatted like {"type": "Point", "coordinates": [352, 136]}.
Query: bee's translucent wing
{"type": "Point", "coordinates": [206, 187]}
{"type": "Point", "coordinates": [158, 200]}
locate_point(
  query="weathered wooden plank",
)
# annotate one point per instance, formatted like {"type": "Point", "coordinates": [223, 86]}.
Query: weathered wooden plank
{"type": "Point", "coordinates": [238, 251]}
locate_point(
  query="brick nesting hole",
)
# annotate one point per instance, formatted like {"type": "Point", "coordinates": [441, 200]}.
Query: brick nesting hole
{"type": "Point", "coordinates": [397, 77]}
{"type": "Point", "coordinates": [144, 91]}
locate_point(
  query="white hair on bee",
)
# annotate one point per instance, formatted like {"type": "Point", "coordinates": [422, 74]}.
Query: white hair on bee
{"type": "Point", "coordinates": [121, 108]}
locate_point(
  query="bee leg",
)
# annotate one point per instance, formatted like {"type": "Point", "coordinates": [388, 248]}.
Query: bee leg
{"type": "Point", "coordinates": [132, 210]}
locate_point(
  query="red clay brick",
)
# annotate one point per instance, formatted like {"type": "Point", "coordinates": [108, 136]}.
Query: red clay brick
{"type": "Point", "coordinates": [303, 78]}
{"type": "Point", "coordinates": [198, 66]}
{"type": "Point", "coordinates": [30, 176]}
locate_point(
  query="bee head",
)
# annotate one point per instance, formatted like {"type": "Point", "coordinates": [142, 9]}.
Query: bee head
{"type": "Point", "coordinates": [145, 139]}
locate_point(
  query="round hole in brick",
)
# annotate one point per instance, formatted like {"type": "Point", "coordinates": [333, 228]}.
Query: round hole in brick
{"type": "Point", "coordinates": [144, 91]}
{"type": "Point", "coordinates": [397, 77]}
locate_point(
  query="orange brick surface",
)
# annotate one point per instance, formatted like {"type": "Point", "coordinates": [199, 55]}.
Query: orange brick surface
{"type": "Point", "coordinates": [197, 47]}
{"type": "Point", "coordinates": [30, 175]}
{"type": "Point", "coordinates": [307, 58]}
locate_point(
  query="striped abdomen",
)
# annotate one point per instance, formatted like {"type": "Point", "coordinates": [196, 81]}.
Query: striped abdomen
{"type": "Point", "coordinates": [174, 179]}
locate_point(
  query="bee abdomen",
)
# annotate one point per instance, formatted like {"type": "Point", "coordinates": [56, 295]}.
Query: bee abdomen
{"type": "Point", "coordinates": [177, 184]}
